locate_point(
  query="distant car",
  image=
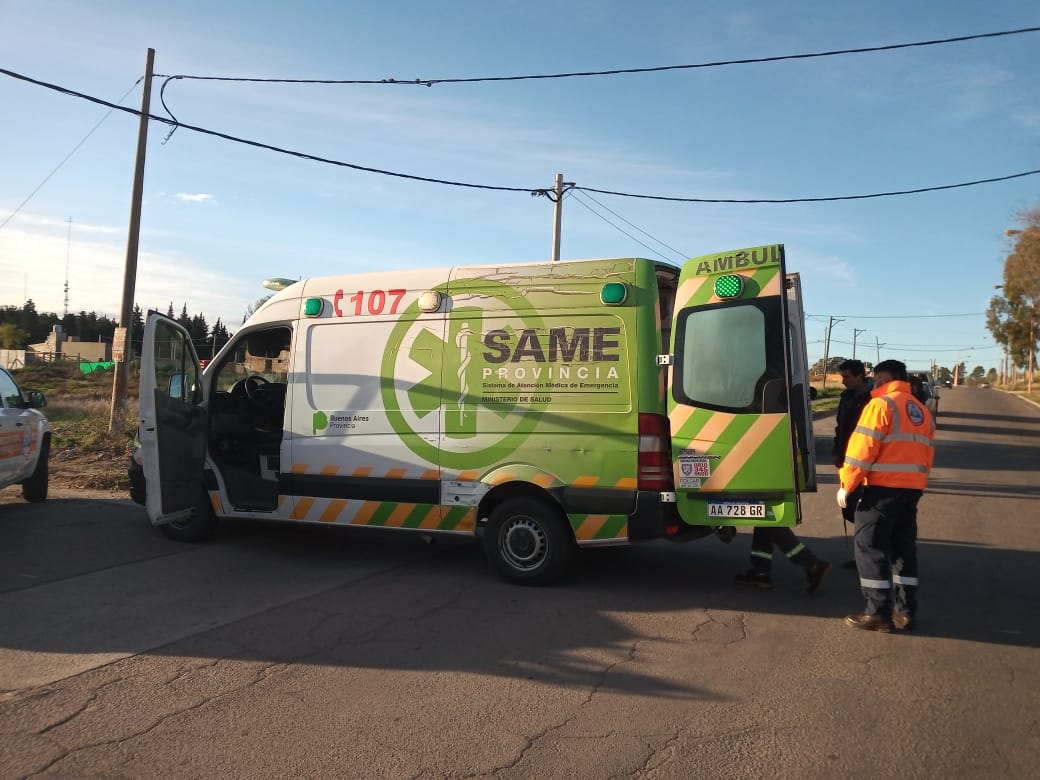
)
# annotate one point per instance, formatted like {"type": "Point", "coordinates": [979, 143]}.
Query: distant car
{"type": "Point", "coordinates": [984, 384]}
{"type": "Point", "coordinates": [25, 439]}
{"type": "Point", "coordinates": [925, 391]}
{"type": "Point", "coordinates": [948, 383]}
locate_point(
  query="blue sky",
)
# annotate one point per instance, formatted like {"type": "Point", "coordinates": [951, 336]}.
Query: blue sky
{"type": "Point", "coordinates": [219, 217]}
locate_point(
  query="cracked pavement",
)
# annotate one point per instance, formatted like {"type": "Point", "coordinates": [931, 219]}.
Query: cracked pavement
{"type": "Point", "coordinates": [281, 651]}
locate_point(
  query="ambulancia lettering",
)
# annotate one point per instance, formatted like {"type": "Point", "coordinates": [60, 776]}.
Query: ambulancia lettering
{"type": "Point", "coordinates": [736, 261]}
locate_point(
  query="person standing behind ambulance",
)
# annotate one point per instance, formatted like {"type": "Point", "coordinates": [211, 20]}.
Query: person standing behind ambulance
{"type": "Point", "coordinates": [890, 453]}
{"type": "Point", "coordinates": [851, 402]}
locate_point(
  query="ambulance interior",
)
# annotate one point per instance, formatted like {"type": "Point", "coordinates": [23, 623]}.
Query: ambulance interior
{"type": "Point", "coordinates": [247, 413]}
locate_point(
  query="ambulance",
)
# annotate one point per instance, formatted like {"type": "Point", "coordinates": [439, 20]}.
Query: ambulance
{"type": "Point", "coordinates": [540, 407]}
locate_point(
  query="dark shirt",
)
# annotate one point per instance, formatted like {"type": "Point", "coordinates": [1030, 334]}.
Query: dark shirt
{"type": "Point", "coordinates": [850, 405]}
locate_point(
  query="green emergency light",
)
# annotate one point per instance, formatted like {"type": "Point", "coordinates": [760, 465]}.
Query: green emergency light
{"type": "Point", "coordinates": [613, 293]}
{"type": "Point", "coordinates": [312, 307]}
{"type": "Point", "coordinates": [729, 286]}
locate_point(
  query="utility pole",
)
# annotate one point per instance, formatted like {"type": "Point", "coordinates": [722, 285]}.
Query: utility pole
{"type": "Point", "coordinates": [117, 419]}
{"type": "Point", "coordinates": [879, 345]}
{"type": "Point", "coordinates": [68, 250]}
{"type": "Point", "coordinates": [856, 332]}
{"type": "Point", "coordinates": [1032, 348]}
{"type": "Point", "coordinates": [557, 217]}
{"type": "Point", "coordinates": [556, 196]}
{"type": "Point", "coordinates": [827, 349]}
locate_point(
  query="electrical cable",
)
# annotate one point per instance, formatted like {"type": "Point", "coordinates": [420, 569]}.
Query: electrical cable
{"type": "Point", "coordinates": [617, 71]}
{"type": "Point", "coordinates": [619, 229]}
{"type": "Point", "coordinates": [681, 255]}
{"type": "Point", "coordinates": [899, 316]}
{"type": "Point", "coordinates": [534, 191]}
{"type": "Point", "coordinates": [822, 199]}
{"type": "Point", "coordinates": [269, 147]}
{"type": "Point", "coordinates": [65, 159]}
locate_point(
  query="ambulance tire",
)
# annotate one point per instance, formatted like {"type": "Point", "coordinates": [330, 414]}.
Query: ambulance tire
{"type": "Point", "coordinates": [198, 527]}
{"type": "Point", "coordinates": [528, 540]}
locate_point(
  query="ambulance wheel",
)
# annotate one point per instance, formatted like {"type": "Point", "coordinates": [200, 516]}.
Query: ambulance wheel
{"type": "Point", "coordinates": [35, 487]}
{"type": "Point", "coordinates": [199, 526]}
{"type": "Point", "coordinates": [528, 540]}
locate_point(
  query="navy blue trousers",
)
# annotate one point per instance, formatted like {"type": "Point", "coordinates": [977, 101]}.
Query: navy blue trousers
{"type": "Point", "coordinates": [764, 537]}
{"type": "Point", "coordinates": [886, 549]}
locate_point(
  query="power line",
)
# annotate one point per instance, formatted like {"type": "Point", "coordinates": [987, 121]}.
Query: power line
{"type": "Point", "coordinates": [901, 316]}
{"type": "Point", "coordinates": [269, 147]}
{"type": "Point", "coordinates": [822, 199]}
{"type": "Point", "coordinates": [613, 72]}
{"type": "Point", "coordinates": [580, 199]}
{"type": "Point", "coordinates": [893, 348]}
{"type": "Point", "coordinates": [65, 159]}
{"type": "Point", "coordinates": [537, 191]}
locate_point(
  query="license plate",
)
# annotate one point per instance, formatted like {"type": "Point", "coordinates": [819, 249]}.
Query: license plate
{"type": "Point", "coordinates": [736, 509]}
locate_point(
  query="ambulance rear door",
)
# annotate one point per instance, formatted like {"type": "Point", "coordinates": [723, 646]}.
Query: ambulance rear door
{"type": "Point", "coordinates": [737, 400]}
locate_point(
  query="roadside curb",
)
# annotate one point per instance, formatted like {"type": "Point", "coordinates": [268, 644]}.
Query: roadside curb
{"type": "Point", "coordinates": [1016, 395]}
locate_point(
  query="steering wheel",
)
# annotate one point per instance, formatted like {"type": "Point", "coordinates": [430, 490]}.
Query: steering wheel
{"type": "Point", "coordinates": [252, 385]}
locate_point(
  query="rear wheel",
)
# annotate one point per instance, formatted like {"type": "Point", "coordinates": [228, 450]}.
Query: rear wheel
{"type": "Point", "coordinates": [528, 540]}
{"type": "Point", "coordinates": [198, 526]}
{"type": "Point", "coordinates": [35, 487]}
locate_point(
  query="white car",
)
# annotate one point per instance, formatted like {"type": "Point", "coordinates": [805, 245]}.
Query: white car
{"type": "Point", "coordinates": [925, 390]}
{"type": "Point", "coordinates": [25, 439]}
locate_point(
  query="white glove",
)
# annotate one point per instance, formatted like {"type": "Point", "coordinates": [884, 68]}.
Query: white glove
{"type": "Point", "coordinates": [842, 498]}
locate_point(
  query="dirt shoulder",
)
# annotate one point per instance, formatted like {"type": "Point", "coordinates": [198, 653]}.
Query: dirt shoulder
{"type": "Point", "coordinates": [95, 469]}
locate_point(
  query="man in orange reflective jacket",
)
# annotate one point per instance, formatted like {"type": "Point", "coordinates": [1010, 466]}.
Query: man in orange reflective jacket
{"type": "Point", "coordinates": [890, 454]}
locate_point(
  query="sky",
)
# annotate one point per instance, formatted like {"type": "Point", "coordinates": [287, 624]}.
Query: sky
{"type": "Point", "coordinates": [907, 277]}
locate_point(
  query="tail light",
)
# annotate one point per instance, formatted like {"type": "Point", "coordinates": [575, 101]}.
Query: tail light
{"type": "Point", "coordinates": [655, 453]}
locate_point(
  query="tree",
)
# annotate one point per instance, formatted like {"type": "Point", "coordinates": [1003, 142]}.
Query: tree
{"type": "Point", "coordinates": [1011, 314]}
{"type": "Point", "coordinates": [136, 335]}
{"type": "Point", "coordinates": [251, 309]}
{"type": "Point", "coordinates": [12, 337]}
{"type": "Point", "coordinates": [219, 335]}
{"type": "Point", "coordinates": [30, 319]}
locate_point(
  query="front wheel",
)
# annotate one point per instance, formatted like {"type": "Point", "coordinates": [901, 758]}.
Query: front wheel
{"type": "Point", "coordinates": [198, 526]}
{"type": "Point", "coordinates": [35, 487]}
{"type": "Point", "coordinates": [528, 540]}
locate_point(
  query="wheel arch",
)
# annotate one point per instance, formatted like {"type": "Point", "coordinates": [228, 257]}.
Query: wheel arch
{"type": "Point", "coordinates": [505, 491]}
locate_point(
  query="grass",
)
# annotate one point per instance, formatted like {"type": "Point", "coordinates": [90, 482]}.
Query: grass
{"type": "Point", "coordinates": [84, 453]}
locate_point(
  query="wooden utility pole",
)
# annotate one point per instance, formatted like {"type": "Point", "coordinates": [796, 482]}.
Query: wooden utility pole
{"type": "Point", "coordinates": [827, 349]}
{"type": "Point", "coordinates": [120, 352]}
{"type": "Point", "coordinates": [855, 333]}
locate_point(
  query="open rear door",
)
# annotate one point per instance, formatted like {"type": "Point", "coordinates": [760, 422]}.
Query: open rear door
{"type": "Point", "coordinates": [173, 420]}
{"type": "Point", "coordinates": [801, 401]}
{"type": "Point", "coordinates": [740, 454]}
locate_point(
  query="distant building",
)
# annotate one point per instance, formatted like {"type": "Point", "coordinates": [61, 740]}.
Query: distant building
{"type": "Point", "coordinates": [57, 347]}
{"type": "Point", "coordinates": [60, 346]}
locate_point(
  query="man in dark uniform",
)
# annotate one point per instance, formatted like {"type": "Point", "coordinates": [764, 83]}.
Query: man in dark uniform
{"type": "Point", "coordinates": [850, 404]}
{"type": "Point", "coordinates": [891, 451]}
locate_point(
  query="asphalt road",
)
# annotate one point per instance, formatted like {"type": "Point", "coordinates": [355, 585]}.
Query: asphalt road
{"type": "Point", "coordinates": [280, 651]}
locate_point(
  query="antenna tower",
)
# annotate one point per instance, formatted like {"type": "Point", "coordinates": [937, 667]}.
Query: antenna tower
{"type": "Point", "coordinates": [68, 246]}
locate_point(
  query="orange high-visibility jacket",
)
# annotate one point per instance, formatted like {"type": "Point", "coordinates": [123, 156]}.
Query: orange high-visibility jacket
{"type": "Point", "coordinates": [891, 445]}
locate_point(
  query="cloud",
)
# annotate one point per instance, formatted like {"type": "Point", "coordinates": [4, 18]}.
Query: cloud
{"type": "Point", "coordinates": [187, 197]}
{"type": "Point", "coordinates": [36, 259]}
